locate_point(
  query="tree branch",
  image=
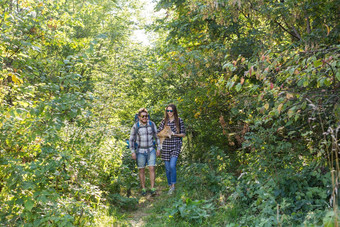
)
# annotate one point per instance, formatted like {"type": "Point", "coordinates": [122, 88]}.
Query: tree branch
{"type": "Point", "coordinates": [308, 25]}
{"type": "Point", "coordinates": [283, 28]}
{"type": "Point", "coordinates": [296, 32]}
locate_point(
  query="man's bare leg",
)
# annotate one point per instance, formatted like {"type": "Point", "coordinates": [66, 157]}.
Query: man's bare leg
{"type": "Point", "coordinates": [152, 176]}
{"type": "Point", "coordinates": [142, 177]}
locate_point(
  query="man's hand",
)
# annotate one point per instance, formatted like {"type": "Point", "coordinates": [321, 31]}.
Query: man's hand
{"type": "Point", "coordinates": [158, 152]}
{"type": "Point", "coordinates": [133, 155]}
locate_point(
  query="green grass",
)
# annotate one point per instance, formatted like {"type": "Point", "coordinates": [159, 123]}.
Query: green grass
{"type": "Point", "coordinates": [199, 201]}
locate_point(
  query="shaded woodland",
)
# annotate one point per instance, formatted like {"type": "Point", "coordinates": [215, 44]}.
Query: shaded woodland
{"type": "Point", "coordinates": [257, 83]}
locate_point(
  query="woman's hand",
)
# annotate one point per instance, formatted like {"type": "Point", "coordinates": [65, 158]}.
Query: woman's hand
{"type": "Point", "coordinates": [179, 135]}
{"type": "Point", "coordinates": [133, 155]}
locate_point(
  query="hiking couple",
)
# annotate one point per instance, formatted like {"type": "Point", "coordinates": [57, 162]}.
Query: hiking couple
{"type": "Point", "coordinates": [142, 136]}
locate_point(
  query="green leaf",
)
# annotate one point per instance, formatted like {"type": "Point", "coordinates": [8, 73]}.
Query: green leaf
{"type": "Point", "coordinates": [230, 66]}
{"type": "Point", "coordinates": [305, 83]}
{"type": "Point", "coordinates": [321, 82]}
{"type": "Point", "coordinates": [291, 112]}
{"type": "Point", "coordinates": [317, 63]}
{"type": "Point", "coordinates": [29, 204]}
{"type": "Point", "coordinates": [338, 75]}
{"type": "Point", "coordinates": [328, 82]}
{"type": "Point", "coordinates": [238, 87]}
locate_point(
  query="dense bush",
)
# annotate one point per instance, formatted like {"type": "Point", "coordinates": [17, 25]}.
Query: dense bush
{"type": "Point", "coordinates": [289, 198]}
{"type": "Point", "coordinates": [256, 82]}
{"type": "Point", "coordinates": [54, 159]}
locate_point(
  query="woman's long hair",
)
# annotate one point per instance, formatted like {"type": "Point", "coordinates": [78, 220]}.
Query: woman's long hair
{"type": "Point", "coordinates": [166, 117]}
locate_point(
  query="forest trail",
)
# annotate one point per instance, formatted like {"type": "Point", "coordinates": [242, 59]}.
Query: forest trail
{"type": "Point", "coordinates": [136, 218]}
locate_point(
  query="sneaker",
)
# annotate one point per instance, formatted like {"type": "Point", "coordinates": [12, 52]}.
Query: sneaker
{"type": "Point", "coordinates": [143, 192]}
{"type": "Point", "coordinates": [171, 191]}
{"type": "Point", "coordinates": [153, 191]}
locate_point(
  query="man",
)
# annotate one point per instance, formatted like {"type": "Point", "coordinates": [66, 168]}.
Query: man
{"type": "Point", "coordinates": [142, 136]}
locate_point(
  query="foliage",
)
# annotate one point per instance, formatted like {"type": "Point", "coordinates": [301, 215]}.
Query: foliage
{"type": "Point", "coordinates": [52, 164]}
{"type": "Point", "coordinates": [123, 202]}
{"type": "Point", "coordinates": [260, 84]}
{"type": "Point", "coordinates": [256, 82]}
{"type": "Point", "coordinates": [201, 178]}
{"type": "Point", "coordinates": [192, 211]}
{"type": "Point", "coordinates": [289, 199]}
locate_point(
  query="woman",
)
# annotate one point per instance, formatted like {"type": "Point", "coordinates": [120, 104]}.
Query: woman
{"type": "Point", "coordinates": [171, 147]}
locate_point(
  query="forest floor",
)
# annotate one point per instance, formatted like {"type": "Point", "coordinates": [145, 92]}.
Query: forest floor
{"type": "Point", "coordinates": [144, 208]}
{"type": "Point", "coordinates": [146, 204]}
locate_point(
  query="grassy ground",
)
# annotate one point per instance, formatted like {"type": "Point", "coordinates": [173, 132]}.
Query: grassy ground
{"type": "Point", "coordinates": [147, 205]}
{"type": "Point", "coordinates": [162, 210]}
{"type": "Point", "coordinates": [197, 201]}
{"type": "Point", "coordinates": [138, 216]}
{"type": "Point", "coordinates": [184, 208]}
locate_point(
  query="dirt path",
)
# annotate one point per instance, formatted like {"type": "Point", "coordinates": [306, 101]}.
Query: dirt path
{"type": "Point", "coordinates": [145, 204]}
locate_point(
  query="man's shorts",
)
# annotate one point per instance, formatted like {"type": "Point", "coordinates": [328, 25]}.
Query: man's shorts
{"type": "Point", "coordinates": [147, 158]}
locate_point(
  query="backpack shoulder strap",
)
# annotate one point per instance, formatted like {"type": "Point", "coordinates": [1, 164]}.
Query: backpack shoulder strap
{"type": "Point", "coordinates": [137, 128]}
{"type": "Point", "coordinates": [152, 124]}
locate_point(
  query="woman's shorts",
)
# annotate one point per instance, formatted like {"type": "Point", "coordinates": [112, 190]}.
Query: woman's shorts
{"type": "Point", "coordinates": [147, 158]}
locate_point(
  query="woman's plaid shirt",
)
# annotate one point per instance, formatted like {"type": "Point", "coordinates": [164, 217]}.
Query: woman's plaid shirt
{"type": "Point", "coordinates": [171, 147]}
{"type": "Point", "coordinates": [144, 137]}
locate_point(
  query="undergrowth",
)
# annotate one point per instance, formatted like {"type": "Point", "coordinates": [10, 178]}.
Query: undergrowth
{"type": "Point", "coordinates": [300, 199]}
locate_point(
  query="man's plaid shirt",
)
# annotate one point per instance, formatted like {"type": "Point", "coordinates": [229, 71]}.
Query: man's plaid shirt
{"type": "Point", "coordinates": [171, 147]}
{"type": "Point", "coordinates": [144, 137]}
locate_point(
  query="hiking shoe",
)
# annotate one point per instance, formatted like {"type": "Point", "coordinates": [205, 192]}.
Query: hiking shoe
{"type": "Point", "coordinates": [143, 192]}
{"type": "Point", "coordinates": [171, 191]}
{"type": "Point", "coordinates": [153, 191]}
